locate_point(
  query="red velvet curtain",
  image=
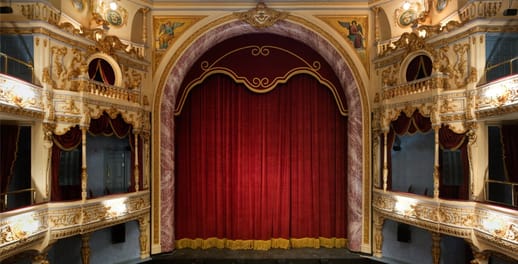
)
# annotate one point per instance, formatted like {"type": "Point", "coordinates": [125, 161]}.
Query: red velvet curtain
{"type": "Point", "coordinates": [260, 166]}
{"type": "Point", "coordinates": [510, 146]}
{"type": "Point", "coordinates": [453, 141]}
{"type": "Point", "coordinates": [66, 142]}
{"type": "Point", "coordinates": [106, 126]}
{"type": "Point", "coordinates": [9, 135]}
{"type": "Point", "coordinates": [101, 71]}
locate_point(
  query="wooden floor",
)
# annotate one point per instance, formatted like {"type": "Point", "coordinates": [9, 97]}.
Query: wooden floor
{"type": "Point", "coordinates": [273, 256]}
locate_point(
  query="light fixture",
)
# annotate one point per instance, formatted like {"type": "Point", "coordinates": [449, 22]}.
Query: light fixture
{"type": "Point", "coordinates": [406, 5]}
{"type": "Point", "coordinates": [113, 6]}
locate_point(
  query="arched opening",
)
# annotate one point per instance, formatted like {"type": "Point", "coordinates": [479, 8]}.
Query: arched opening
{"type": "Point", "coordinates": [357, 216]}
{"type": "Point", "coordinates": [260, 165]}
{"type": "Point", "coordinates": [101, 71]}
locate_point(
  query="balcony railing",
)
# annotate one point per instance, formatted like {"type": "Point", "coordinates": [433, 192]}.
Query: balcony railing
{"type": "Point", "coordinates": [418, 86]}
{"type": "Point", "coordinates": [16, 68]}
{"type": "Point", "coordinates": [5, 197]}
{"type": "Point", "coordinates": [113, 92]}
{"type": "Point", "coordinates": [34, 226]}
{"type": "Point", "coordinates": [502, 69]}
{"type": "Point", "coordinates": [506, 191]}
{"type": "Point", "coordinates": [493, 227]}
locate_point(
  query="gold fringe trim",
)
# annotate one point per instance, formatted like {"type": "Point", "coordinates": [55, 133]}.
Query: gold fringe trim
{"type": "Point", "coordinates": [281, 243]}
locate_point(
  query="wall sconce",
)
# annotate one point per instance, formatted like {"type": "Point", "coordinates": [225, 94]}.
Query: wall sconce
{"type": "Point", "coordinates": [406, 5]}
{"type": "Point", "coordinates": [113, 6]}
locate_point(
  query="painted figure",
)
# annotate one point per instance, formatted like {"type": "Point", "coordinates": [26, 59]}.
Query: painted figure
{"type": "Point", "coordinates": [355, 33]}
{"type": "Point", "coordinates": [166, 33]}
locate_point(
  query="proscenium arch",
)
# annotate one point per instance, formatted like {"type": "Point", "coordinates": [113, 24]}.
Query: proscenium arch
{"type": "Point", "coordinates": [358, 179]}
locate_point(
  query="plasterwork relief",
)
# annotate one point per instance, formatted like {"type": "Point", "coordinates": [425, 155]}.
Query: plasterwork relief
{"type": "Point", "coordinates": [462, 72]}
{"type": "Point", "coordinates": [261, 16]}
{"type": "Point", "coordinates": [65, 68]}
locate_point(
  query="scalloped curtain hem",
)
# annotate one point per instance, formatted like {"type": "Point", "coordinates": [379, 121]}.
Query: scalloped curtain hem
{"type": "Point", "coordinates": [282, 243]}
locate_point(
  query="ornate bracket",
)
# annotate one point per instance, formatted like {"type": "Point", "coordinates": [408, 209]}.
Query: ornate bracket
{"type": "Point", "coordinates": [261, 16]}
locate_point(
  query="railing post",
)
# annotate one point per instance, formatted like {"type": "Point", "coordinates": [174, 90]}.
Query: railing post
{"type": "Point", "coordinates": [84, 175]}
{"type": "Point", "coordinates": [436, 173]}
{"type": "Point", "coordinates": [385, 164]}
{"type": "Point", "coordinates": [136, 169]}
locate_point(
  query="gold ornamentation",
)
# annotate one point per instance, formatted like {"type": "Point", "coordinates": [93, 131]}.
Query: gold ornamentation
{"type": "Point", "coordinates": [144, 233]}
{"type": "Point", "coordinates": [99, 20]}
{"type": "Point", "coordinates": [408, 41]}
{"type": "Point", "coordinates": [461, 68]}
{"type": "Point", "coordinates": [378, 234]}
{"type": "Point", "coordinates": [441, 62]}
{"type": "Point", "coordinates": [64, 217]}
{"type": "Point", "coordinates": [41, 258]}
{"type": "Point", "coordinates": [261, 16]}
{"type": "Point", "coordinates": [133, 78]}
{"type": "Point", "coordinates": [55, 75]}
{"type": "Point", "coordinates": [70, 28]}
{"type": "Point", "coordinates": [389, 75]}
{"type": "Point", "coordinates": [108, 44]}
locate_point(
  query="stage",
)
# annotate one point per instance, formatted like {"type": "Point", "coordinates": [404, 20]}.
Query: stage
{"type": "Point", "coordinates": [272, 256]}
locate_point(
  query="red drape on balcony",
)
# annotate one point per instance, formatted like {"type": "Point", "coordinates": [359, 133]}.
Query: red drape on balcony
{"type": "Point", "coordinates": [9, 135]}
{"type": "Point", "coordinates": [510, 146]}
{"type": "Point", "coordinates": [104, 125]}
{"type": "Point", "coordinates": [101, 71]}
{"type": "Point", "coordinates": [260, 170]}
{"type": "Point", "coordinates": [66, 142]}
{"type": "Point", "coordinates": [453, 141]}
{"type": "Point", "coordinates": [401, 126]}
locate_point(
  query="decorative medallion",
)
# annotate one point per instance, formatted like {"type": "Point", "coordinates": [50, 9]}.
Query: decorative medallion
{"type": "Point", "coordinates": [113, 17]}
{"type": "Point", "coordinates": [79, 5]}
{"type": "Point", "coordinates": [441, 4]}
{"type": "Point", "coordinates": [407, 18]}
{"type": "Point", "coordinates": [261, 16]}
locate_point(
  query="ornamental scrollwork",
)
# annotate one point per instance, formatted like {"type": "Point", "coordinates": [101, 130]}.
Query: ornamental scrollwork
{"type": "Point", "coordinates": [261, 16]}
